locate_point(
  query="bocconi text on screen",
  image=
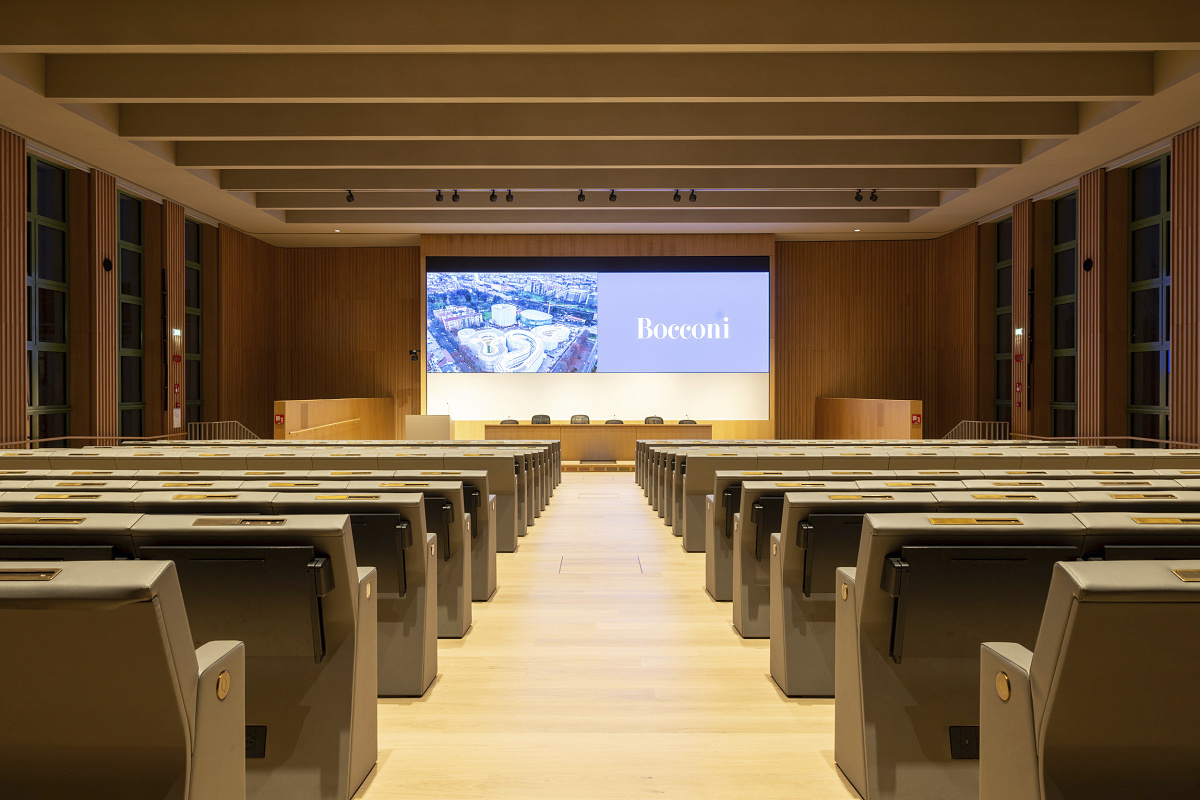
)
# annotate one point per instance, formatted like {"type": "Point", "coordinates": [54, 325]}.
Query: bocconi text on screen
{"type": "Point", "coordinates": [712, 330]}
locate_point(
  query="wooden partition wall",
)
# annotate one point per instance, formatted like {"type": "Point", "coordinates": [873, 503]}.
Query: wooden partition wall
{"type": "Point", "coordinates": [864, 418]}
{"type": "Point", "coordinates": [343, 418]}
{"type": "Point", "coordinates": [13, 371]}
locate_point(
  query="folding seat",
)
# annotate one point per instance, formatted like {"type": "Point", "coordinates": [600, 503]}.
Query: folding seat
{"type": "Point", "coordinates": [819, 532]}
{"type": "Point", "coordinates": [1105, 704]}
{"type": "Point", "coordinates": [927, 591]}
{"type": "Point", "coordinates": [107, 695]}
{"type": "Point", "coordinates": [390, 534]}
{"type": "Point", "coordinates": [290, 588]}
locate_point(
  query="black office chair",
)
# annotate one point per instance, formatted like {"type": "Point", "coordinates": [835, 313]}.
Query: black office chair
{"type": "Point", "coordinates": [654, 420]}
{"type": "Point", "coordinates": [614, 422]}
{"type": "Point", "coordinates": [687, 422]}
{"type": "Point", "coordinates": [509, 422]}
{"type": "Point", "coordinates": [581, 419]}
{"type": "Point", "coordinates": [541, 419]}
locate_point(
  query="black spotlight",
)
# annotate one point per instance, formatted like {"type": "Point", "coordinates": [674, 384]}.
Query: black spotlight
{"type": "Point", "coordinates": [675, 197]}
{"type": "Point", "coordinates": [612, 196]}
{"type": "Point", "coordinates": [349, 196]}
{"type": "Point", "coordinates": [858, 196]}
{"type": "Point", "coordinates": [438, 196]}
{"type": "Point", "coordinates": [692, 196]}
{"type": "Point", "coordinates": [508, 198]}
{"type": "Point", "coordinates": [492, 196]}
{"type": "Point", "coordinates": [454, 197]}
{"type": "Point", "coordinates": [874, 195]}
{"type": "Point", "coordinates": [581, 197]}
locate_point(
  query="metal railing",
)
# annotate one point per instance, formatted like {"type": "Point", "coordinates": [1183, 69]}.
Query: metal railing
{"type": "Point", "coordinates": [107, 441]}
{"type": "Point", "coordinates": [1101, 441]}
{"type": "Point", "coordinates": [208, 431]}
{"type": "Point", "coordinates": [978, 429]}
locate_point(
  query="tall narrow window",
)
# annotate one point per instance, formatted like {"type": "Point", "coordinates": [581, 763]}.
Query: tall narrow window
{"type": "Point", "coordinates": [1004, 331]}
{"type": "Point", "coordinates": [1063, 400]}
{"type": "Point", "coordinates": [192, 321]}
{"type": "Point", "coordinates": [1150, 299]}
{"type": "Point", "coordinates": [132, 400]}
{"type": "Point", "coordinates": [46, 300]}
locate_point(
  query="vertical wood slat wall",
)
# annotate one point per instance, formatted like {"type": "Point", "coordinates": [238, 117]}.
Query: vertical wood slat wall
{"type": "Point", "coordinates": [14, 388]}
{"type": "Point", "coordinates": [249, 304]}
{"type": "Point", "coordinates": [1091, 348]}
{"type": "Point", "coordinates": [1185, 287]}
{"type": "Point", "coordinates": [349, 318]}
{"type": "Point", "coordinates": [889, 320]}
{"type": "Point", "coordinates": [104, 286]}
{"type": "Point", "coordinates": [173, 269]}
{"type": "Point", "coordinates": [1022, 265]}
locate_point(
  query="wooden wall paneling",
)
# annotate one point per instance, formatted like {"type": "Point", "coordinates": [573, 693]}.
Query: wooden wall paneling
{"type": "Point", "coordinates": [250, 305]}
{"type": "Point", "coordinates": [1091, 346]}
{"type": "Point", "coordinates": [153, 373]}
{"type": "Point", "coordinates": [849, 325]}
{"type": "Point", "coordinates": [104, 286]}
{"type": "Point", "coordinates": [953, 308]}
{"type": "Point", "coordinates": [210, 330]}
{"type": "Point", "coordinates": [986, 322]}
{"type": "Point", "coordinates": [351, 316]}
{"type": "Point", "coordinates": [1041, 329]}
{"type": "Point", "coordinates": [14, 369]}
{"type": "Point", "coordinates": [1022, 227]}
{"type": "Point", "coordinates": [1185, 287]}
{"type": "Point", "coordinates": [1115, 392]}
{"type": "Point", "coordinates": [173, 277]}
{"type": "Point", "coordinates": [863, 418]}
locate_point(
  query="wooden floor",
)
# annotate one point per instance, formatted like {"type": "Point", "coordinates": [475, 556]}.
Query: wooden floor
{"type": "Point", "coordinates": [602, 669]}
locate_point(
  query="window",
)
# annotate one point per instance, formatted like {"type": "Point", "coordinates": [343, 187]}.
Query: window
{"type": "Point", "coordinates": [131, 400]}
{"type": "Point", "coordinates": [1150, 300]}
{"type": "Point", "coordinates": [1064, 404]}
{"type": "Point", "coordinates": [47, 311]}
{"type": "Point", "coordinates": [192, 322]}
{"type": "Point", "coordinates": [1004, 329]}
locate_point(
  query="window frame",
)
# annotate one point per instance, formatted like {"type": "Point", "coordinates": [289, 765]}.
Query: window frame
{"type": "Point", "coordinates": [1002, 408]}
{"type": "Point", "coordinates": [35, 410]}
{"type": "Point", "coordinates": [1163, 283]}
{"type": "Point", "coordinates": [194, 406]}
{"type": "Point", "coordinates": [123, 299]}
{"type": "Point", "coordinates": [1059, 299]}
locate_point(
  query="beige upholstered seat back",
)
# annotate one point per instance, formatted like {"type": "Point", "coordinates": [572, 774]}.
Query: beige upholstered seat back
{"type": "Point", "coordinates": [98, 680]}
{"type": "Point", "coordinates": [1115, 695]}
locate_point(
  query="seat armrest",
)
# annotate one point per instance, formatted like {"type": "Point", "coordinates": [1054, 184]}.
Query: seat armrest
{"type": "Point", "coordinates": [219, 740]}
{"type": "Point", "coordinates": [1008, 761]}
{"type": "Point", "coordinates": [849, 740]}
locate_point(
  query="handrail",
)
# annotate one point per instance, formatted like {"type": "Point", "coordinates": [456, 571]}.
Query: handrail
{"type": "Point", "coordinates": [1084, 440]}
{"type": "Point", "coordinates": [303, 432]}
{"type": "Point", "coordinates": [24, 443]}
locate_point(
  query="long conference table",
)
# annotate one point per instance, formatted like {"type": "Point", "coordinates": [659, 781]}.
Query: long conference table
{"type": "Point", "coordinates": [597, 441]}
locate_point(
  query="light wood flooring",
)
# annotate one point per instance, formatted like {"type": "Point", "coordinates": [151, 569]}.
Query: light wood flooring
{"type": "Point", "coordinates": [601, 669]}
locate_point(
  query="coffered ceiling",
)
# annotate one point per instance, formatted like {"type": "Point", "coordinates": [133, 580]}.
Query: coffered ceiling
{"type": "Point", "coordinates": [775, 113]}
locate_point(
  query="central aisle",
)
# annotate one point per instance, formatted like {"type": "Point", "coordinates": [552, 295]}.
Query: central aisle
{"type": "Point", "coordinates": [601, 669]}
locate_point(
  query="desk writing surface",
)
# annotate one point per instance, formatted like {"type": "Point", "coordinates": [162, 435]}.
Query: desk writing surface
{"type": "Point", "coordinates": [597, 441]}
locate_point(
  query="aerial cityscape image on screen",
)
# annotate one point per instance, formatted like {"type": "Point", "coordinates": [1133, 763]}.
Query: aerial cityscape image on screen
{"type": "Point", "coordinates": [511, 321]}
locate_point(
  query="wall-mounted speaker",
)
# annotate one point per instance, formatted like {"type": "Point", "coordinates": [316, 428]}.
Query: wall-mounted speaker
{"type": "Point", "coordinates": [1087, 265]}
{"type": "Point", "coordinates": [107, 263]}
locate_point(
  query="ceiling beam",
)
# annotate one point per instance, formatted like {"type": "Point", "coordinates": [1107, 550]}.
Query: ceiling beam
{"type": "Point", "coordinates": [607, 153]}
{"type": "Point", "coordinates": [452, 216]}
{"type": "Point", "coordinates": [368, 25]}
{"type": "Point", "coordinates": [283, 121]}
{"type": "Point", "coordinates": [283, 180]}
{"type": "Point", "coordinates": [569, 199]}
{"type": "Point", "coordinates": [662, 77]}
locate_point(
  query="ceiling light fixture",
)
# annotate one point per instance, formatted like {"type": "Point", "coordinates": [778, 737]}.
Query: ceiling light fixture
{"type": "Point", "coordinates": [454, 197]}
{"type": "Point", "coordinates": [874, 195]}
{"type": "Point", "coordinates": [438, 196]}
{"type": "Point", "coordinates": [612, 196]}
{"type": "Point", "coordinates": [492, 196]}
{"type": "Point", "coordinates": [676, 197]}
{"type": "Point", "coordinates": [858, 230]}
{"type": "Point", "coordinates": [692, 196]}
{"type": "Point", "coordinates": [858, 196]}
{"type": "Point", "coordinates": [337, 230]}
{"type": "Point", "coordinates": [508, 198]}
{"type": "Point", "coordinates": [349, 196]}
{"type": "Point", "coordinates": [581, 197]}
